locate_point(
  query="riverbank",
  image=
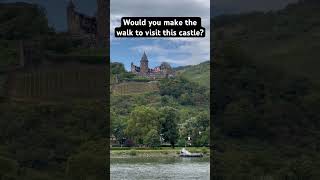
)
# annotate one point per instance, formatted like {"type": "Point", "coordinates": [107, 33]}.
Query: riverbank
{"type": "Point", "coordinates": [150, 152]}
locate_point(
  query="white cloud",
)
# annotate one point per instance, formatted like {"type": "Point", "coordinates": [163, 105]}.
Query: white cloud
{"type": "Point", "coordinates": [186, 53]}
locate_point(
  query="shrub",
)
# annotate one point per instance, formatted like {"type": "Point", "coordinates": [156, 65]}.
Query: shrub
{"type": "Point", "coordinates": [181, 143]}
{"type": "Point", "coordinates": [132, 152]}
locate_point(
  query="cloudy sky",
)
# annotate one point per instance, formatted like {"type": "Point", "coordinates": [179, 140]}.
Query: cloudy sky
{"type": "Point", "coordinates": [176, 51]}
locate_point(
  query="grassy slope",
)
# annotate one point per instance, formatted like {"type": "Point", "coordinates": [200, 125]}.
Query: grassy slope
{"type": "Point", "coordinates": [198, 73]}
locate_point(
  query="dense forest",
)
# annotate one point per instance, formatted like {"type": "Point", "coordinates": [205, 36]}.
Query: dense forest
{"type": "Point", "coordinates": [266, 94]}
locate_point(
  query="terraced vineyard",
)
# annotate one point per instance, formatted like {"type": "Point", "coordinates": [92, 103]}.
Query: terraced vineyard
{"type": "Point", "coordinates": [134, 88]}
{"type": "Point", "coordinates": [57, 84]}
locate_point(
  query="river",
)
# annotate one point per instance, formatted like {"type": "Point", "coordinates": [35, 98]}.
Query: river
{"type": "Point", "coordinates": [147, 168]}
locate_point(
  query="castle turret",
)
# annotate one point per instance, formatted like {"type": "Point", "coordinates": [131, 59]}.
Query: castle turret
{"type": "Point", "coordinates": [144, 64]}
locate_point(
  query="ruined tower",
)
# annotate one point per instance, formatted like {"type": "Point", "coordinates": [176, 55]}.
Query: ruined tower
{"type": "Point", "coordinates": [144, 64]}
{"type": "Point", "coordinates": [102, 23]}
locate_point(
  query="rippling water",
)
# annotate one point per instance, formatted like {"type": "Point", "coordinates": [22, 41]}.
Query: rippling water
{"type": "Point", "coordinates": [140, 168]}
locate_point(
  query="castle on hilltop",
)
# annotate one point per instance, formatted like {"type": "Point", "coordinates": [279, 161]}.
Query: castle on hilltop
{"type": "Point", "coordinates": [162, 71]}
{"type": "Point", "coordinates": [92, 30]}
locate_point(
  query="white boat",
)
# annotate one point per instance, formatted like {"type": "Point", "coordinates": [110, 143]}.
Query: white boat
{"type": "Point", "coordinates": [185, 153]}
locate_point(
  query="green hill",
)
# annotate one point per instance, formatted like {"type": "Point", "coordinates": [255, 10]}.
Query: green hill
{"type": "Point", "coordinates": [287, 39]}
{"type": "Point", "coordinates": [266, 94]}
{"type": "Point", "coordinates": [198, 73]}
{"type": "Point", "coordinates": [127, 83]}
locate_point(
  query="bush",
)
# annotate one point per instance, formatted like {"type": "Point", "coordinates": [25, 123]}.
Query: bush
{"type": "Point", "coordinates": [181, 143]}
{"type": "Point", "coordinates": [132, 152]}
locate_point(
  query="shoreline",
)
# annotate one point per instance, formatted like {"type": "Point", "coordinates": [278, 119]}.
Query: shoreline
{"type": "Point", "coordinates": [161, 152]}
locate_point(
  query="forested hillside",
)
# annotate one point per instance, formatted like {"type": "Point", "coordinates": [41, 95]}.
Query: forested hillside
{"type": "Point", "coordinates": [47, 140]}
{"type": "Point", "coordinates": [266, 94]}
{"type": "Point", "coordinates": [287, 39]}
{"type": "Point", "coordinates": [177, 109]}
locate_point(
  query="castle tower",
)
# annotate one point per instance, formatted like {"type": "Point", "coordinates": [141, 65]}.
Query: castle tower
{"type": "Point", "coordinates": [144, 67]}
{"type": "Point", "coordinates": [71, 17]}
{"type": "Point", "coordinates": [102, 23]}
{"type": "Point", "coordinates": [133, 69]}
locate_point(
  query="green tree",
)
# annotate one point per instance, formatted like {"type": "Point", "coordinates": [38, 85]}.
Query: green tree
{"type": "Point", "coordinates": [169, 118]}
{"type": "Point", "coordinates": [118, 125]}
{"type": "Point", "coordinates": [152, 138]}
{"type": "Point", "coordinates": [197, 128]}
{"type": "Point", "coordinates": [141, 120]}
{"type": "Point", "coordinates": [21, 22]}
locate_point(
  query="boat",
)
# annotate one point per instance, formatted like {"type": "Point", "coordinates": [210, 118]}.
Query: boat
{"type": "Point", "coordinates": [185, 153]}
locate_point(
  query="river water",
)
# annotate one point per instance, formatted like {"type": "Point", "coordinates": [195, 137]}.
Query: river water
{"type": "Point", "coordinates": [164, 168]}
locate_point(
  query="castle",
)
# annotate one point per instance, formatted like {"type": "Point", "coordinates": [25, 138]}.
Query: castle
{"type": "Point", "coordinates": [164, 70]}
{"type": "Point", "coordinates": [93, 31]}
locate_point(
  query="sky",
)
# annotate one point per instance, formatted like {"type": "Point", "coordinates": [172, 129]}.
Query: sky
{"type": "Point", "coordinates": [178, 52]}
